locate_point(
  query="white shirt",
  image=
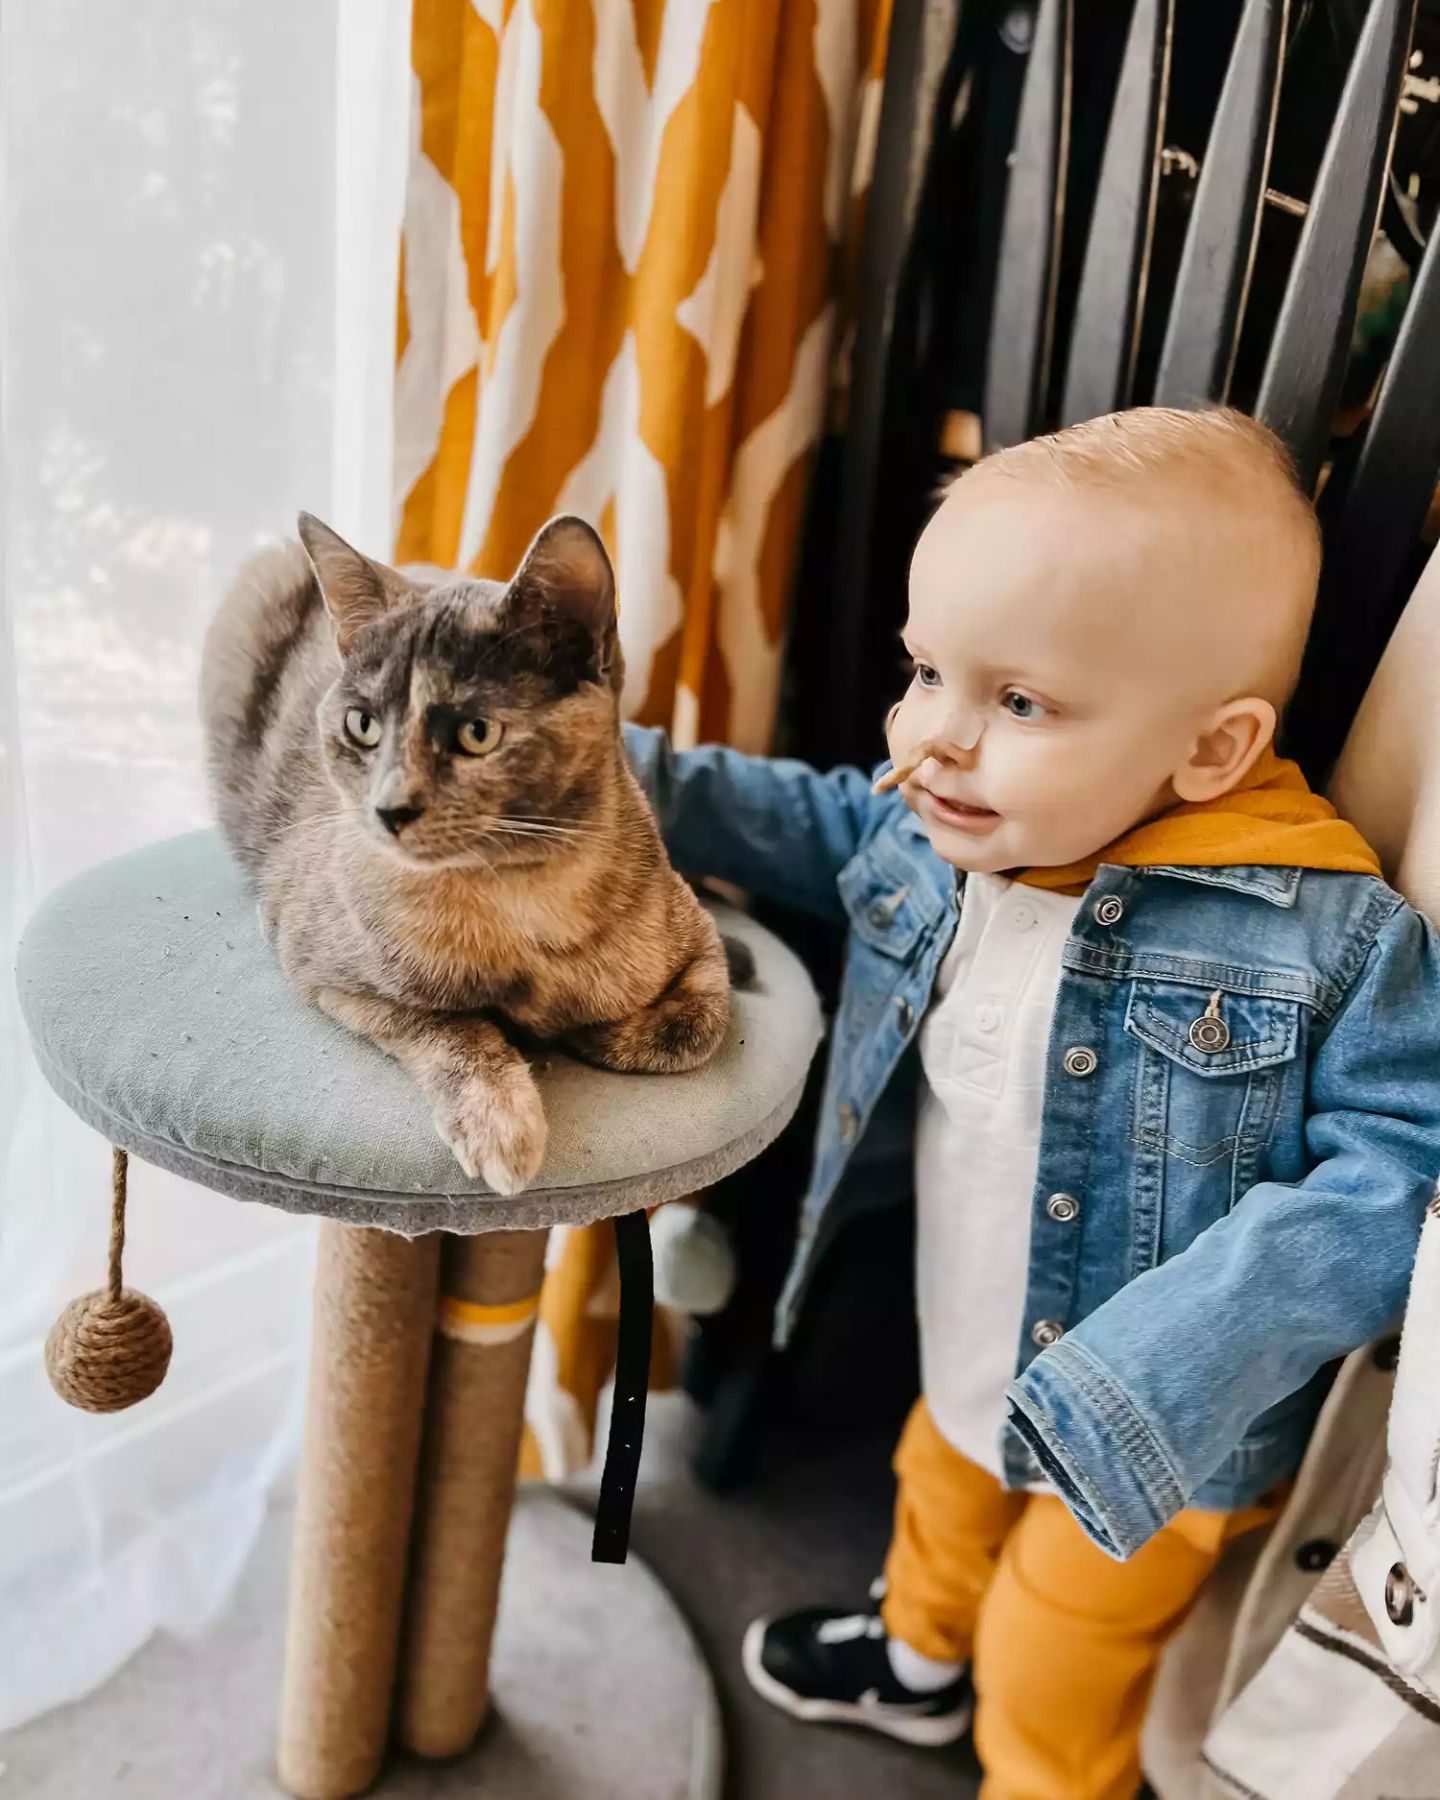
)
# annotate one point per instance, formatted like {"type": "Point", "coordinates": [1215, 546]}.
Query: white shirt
{"type": "Point", "coordinates": [983, 1045]}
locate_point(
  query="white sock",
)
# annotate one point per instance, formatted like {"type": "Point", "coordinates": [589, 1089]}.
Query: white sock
{"type": "Point", "coordinates": [921, 1674]}
{"type": "Point", "coordinates": [695, 1264]}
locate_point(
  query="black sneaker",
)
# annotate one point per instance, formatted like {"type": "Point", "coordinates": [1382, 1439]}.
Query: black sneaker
{"type": "Point", "coordinates": [823, 1665]}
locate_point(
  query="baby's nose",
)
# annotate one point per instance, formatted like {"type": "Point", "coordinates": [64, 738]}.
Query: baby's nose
{"type": "Point", "coordinates": [961, 734]}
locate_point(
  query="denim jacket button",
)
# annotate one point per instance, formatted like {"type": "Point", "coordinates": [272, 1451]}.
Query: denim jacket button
{"type": "Point", "coordinates": [1080, 1061]}
{"type": "Point", "coordinates": [1399, 1595]}
{"type": "Point", "coordinates": [882, 912]}
{"type": "Point", "coordinates": [849, 1122]}
{"type": "Point", "coordinates": [1110, 910]}
{"type": "Point", "coordinates": [1045, 1332]}
{"type": "Point", "coordinates": [1209, 1034]}
{"type": "Point", "coordinates": [1063, 1208]}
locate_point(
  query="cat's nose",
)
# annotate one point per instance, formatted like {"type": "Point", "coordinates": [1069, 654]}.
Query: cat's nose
{"type": "Point", "coordinates": [396, 818]}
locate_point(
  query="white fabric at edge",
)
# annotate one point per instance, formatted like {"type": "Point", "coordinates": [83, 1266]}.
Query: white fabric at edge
{"type": "Point", "coordinates": [181, 207]}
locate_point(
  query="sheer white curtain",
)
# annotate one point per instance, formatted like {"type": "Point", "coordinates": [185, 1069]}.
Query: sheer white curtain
{"type": "Point", "coordinates": [197, 275]}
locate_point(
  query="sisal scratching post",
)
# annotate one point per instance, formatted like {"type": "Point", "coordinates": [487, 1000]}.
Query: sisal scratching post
{"type": "Point", "coordinates": [475, 1413]}
{"type": "Point", "coordinates": [374, 1315]}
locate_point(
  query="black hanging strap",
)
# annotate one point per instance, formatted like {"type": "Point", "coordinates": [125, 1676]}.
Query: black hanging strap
{"type": "Point", "coordinates": [632, 1381]}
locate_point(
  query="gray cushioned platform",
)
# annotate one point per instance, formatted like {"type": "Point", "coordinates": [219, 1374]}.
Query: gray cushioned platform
{"type": "Point", "coordinates": [159, 1014]}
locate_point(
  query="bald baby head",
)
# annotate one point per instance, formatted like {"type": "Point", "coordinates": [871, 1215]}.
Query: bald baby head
{"type": "Point", "coordinates": [1213, 501]}
{"type": "Point", "coordinates": [1104, 622]}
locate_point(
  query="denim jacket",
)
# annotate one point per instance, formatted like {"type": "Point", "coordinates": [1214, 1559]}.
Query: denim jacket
{"type": "Point", "coordinates": [1237, 1207]}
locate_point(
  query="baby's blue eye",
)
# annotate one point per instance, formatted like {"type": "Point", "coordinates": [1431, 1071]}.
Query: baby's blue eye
{"type": "Point", "coordinates": [1024, 700]}
{"type": "Point", "coordinates": [926, 676]}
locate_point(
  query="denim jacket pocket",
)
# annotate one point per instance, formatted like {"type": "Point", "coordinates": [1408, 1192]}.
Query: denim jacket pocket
{"type": "Point", "coordinates": [882, 901]}
{"type": "Point", "coordinates": [1209, 1069]}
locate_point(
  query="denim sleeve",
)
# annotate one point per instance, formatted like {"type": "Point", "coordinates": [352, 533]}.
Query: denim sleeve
{"type": "Point", "coordinates": [1132, 1410]}
{"type": "Point", "coordinates": [777, 828]}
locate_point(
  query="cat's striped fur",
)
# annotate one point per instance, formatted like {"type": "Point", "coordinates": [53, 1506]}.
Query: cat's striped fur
{"type": "Point", "coordinates": [452, 904]}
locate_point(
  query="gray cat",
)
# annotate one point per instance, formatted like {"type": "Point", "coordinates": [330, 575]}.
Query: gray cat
{"type": "Point", "coordinates": [424, 778]}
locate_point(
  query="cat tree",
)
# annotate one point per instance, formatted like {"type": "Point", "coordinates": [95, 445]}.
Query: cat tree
{"type": "Point", "coordinates": [159, 1015]}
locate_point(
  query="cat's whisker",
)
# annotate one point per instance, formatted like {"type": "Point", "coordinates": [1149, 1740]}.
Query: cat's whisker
{"type": "Point", "coordinates": [300, 831]}
{"type": "Point", "coordinates": [552, 824]}
{"type": "Point", "coordinates": [557, 832]}
{"type": "Point", "coordinates": [316, 822]}
{"type": "Point", "coordinates": [320, 818]}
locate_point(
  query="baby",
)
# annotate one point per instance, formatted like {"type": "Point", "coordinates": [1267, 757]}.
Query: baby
{"type": "Point", "coordinates": [1178, 1117]}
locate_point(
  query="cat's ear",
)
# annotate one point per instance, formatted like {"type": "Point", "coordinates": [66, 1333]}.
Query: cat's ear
{"type": "Point", "coordinates": [567, 574]}
{"type": "Point", "coordinates": [356, 590]}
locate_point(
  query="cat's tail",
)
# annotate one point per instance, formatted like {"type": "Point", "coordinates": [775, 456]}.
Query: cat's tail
{"type": "Point", "coordinates": [268, 615]}
{"type": "Point", "coordinates": [739, 959]}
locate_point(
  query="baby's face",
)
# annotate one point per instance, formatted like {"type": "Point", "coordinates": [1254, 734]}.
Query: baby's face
{"type": "Point", "coordinates": [1066, 654]}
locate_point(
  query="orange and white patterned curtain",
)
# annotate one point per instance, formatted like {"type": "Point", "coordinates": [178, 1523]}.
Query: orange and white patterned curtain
{"type": "Point", "coordinates": [626, 234]}
{"type": "Point", "coordinates": [629, 243]}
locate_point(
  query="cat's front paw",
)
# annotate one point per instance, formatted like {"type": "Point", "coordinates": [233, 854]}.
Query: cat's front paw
{"type": "Point", "coordinates": [495, 1133]}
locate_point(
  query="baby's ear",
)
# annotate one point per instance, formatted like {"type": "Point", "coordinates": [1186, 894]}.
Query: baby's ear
{"type": "Point", "coordinates": [1228, 750]}
{"type": "Point", "coordinates": [356, 590]}
{"type": "Point", "coordinates": [567, 574]}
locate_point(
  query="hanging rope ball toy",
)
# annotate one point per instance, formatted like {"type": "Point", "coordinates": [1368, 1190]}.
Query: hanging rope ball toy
{"type": "Point", "coordinates": [109, 1349]}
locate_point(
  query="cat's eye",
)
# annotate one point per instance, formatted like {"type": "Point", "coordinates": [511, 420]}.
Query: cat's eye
{"type": "Point", "coordinates": [478, 737]}
{"type": "Point", "coordinates": [362, 728]}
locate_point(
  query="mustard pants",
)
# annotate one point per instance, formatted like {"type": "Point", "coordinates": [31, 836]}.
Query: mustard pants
{"type": "Point", "coordinates": [1064, 1640]}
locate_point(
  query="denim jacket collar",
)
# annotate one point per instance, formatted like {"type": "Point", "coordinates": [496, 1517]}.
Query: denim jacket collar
{"type": "Point", "coordinates": [1279, 884]}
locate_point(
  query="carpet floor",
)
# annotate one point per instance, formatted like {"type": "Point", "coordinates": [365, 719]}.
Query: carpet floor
{"type": "Point", "coordinates": [194, 1721]}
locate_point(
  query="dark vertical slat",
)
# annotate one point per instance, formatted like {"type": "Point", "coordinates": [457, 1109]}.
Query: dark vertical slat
{"type": "Point", "coordinates": [862, 482]}
{"type": "Point", "coordinates": [1203, 330]}
{"type": "Point", "coordinates": [1312, 336]}
{"type": "Point", "coordinates": [1372, 538]}
{"type": "Point", "coordinates": [1106, 332]}
{"type": "Point", "coordinates": [1022, 327]}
